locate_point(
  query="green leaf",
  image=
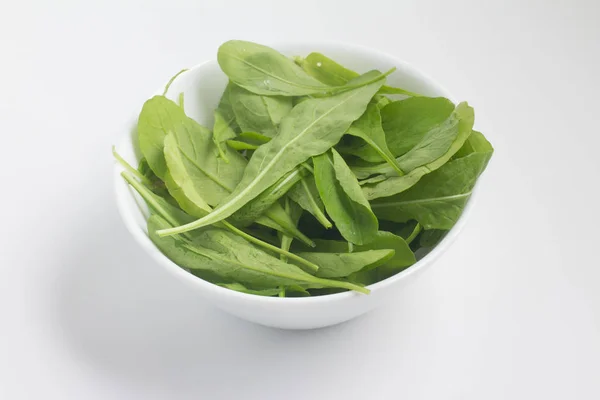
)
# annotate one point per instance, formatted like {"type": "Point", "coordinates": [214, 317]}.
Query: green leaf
{"type": "Point", "coordinates": [331, 73]}
{"type": "Point", "coordinates": [368, 128]}
{"type": "Point", "coordinates": [194, 163]}
{"type": "Point", "coordinates": [226, 110]}
{"type": "Point", "coordinates": [264, 71]}
{"type": "Point", "coordinates": [306, 196]}
{"type": "Point", "coordinates": [432, 144]}
{"type": "Point", "coordinates": [256, 113]}
{"type": "Point", "coordinates": [233, 258]}
{"type": "Point", "coordinates": [339, 265]}
{"type": "Point", "coordinates": [154, 122]}
{"type": "Point", "coordinates": [311, 128]}
{"type": "Point", "coordinates": [426, 155]}
{"type": "Point", "coordinates": [476, 143]}
{"type": "Point", "coordinates": [438, 199]}
{"type": "Point", "coordinates": [405, 122]}
{"type": "Point", "coordinates": [403, 255]}
{"type": "Point", "coordinates": [343, 198]}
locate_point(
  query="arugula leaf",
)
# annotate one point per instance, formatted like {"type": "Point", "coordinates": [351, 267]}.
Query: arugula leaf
{"type": "Point", "coordinates": [369, 129]}
{"type": "Point", "coordinates": [191, 152]}
{"type": "Point", "coordinates": [331, 73]}
{"type": "Point", "coordinates": [339, 265]}
{"type": "Point", "coordinates": [403, 255]}
{"type": "Point", "coordinates": [476, 143]}
{"type": "Point", "coordinates": [343, 198]}
{"type": "Point", "coordinates": [226, 110]}
{"type": "Point", "coordinates": [264, 71]}
{"type": "Point", "coordinates": [405, 122]}
{"type": "Point", "coordinates": [425, 156]}
{"type": "Point", "coordinates": [256, 113]}
{"type": "Point", "coordinates": [438, 199]}
{"type": "Point", "coordinates": [311, 128]}
{"type": "Point", "coordinates": [232, 257]}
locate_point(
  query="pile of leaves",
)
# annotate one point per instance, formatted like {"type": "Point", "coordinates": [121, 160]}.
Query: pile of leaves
{"type": "Point", "coordinates": [312, 180]}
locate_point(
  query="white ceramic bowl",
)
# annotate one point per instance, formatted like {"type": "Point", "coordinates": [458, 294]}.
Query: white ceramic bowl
{"type": "Point", "coordinates": [203, 86]}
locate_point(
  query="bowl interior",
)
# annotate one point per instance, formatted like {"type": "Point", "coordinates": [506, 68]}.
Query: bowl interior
{"type": "Point", "coordinates": [202, 87]}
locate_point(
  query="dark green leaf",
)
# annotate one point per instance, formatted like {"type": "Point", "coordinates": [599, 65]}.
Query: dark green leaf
{"type": "Point", "coordinates": [256, 113]}
{"type": "Point", "coordinates": [307, 196]}
{"type": "Point", "coordinates": [331, 73]}
{"type": "Point", "coordinates": [403, 256]}
{"type": "Point", "coordinates": [439, 198]}
{"type": "Point", "coordinates": [264, 71]}
{"type": "Point", "coordinates": [339, 265]}
{"type": "Point", "coordinates": [343, 198]}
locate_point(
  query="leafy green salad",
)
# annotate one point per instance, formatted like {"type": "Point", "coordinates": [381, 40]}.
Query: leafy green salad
{"type": "Point", "coordinates": [314, 179]}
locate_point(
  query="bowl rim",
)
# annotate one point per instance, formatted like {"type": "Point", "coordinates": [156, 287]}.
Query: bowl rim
{"type": "Point", "coordinates": [122, 190]}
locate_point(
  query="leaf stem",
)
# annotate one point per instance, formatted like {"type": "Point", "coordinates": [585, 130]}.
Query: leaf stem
{"type": "Point", "coordinates": [129, 168]}
{"type": "Point", "coordinates": [168, 85]}
{"type": "Point", "coordinates": [414, 233]}
{"type": "Point", "coordinates": [313, 267]}
{"type": "Point", "coordinates": [317, 211]}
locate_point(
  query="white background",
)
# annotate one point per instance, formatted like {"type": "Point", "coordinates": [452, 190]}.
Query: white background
{"type": "Point", "coordinates": [512, 311]}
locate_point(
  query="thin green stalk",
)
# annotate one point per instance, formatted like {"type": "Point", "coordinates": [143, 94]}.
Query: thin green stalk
{"type": "Point", "coordinates": [308, 167]}
{"type": "Point", "coordinates": [282, 292]}
{"type": "Point", "coordinates": [168, 85]}
{"type": "Point", "coordinates": [318, 213]}
{"type": "Point", "coordinates": [414, 233]}
{"type": "Point", "coordinates": [143, 191]}
{"type": "Point", "coordinates": [129, 168]}
{"type": "Point", "coordinates": [286, 240]}
{"type": "Point", "coordinates": [313, 267]}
